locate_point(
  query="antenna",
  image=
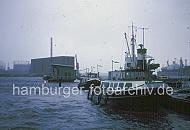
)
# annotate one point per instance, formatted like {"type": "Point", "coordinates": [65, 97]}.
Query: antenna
{"type": "Point", "coordinates": [143, 29]}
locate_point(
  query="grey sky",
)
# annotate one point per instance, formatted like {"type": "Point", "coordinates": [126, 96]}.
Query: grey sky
{"type": "Point", "coordinates": [93, 29]}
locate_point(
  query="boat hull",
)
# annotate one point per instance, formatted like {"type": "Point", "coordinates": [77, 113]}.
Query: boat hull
{"type": "Point", "coordinates": [137, 102]}
{"type": "Point", "coordinates": [86, 85]}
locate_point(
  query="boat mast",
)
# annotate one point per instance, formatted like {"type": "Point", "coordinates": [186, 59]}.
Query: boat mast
{"type": "Point", "coordinates": [133, 44]}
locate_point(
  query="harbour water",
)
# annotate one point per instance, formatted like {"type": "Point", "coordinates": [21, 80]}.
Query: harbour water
{"type": "Point", "coordinates": [75, 112]}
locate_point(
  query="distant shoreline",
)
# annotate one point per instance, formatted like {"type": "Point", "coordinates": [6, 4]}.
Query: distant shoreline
{"type": "Point", "coordinates": [19, 75]}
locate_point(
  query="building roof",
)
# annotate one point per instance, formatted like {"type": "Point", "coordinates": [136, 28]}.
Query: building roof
{"type": "Point", "coordinates": [53, 57]}
{"type": "Point", "coordinates": [61, 65]}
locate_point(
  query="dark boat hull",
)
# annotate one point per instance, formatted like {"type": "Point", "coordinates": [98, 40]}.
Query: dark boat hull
{"type": "Point", "coordinates": [86, 85]}
{"type": "Point", "coordinates": [147, 102]}
{"type": "Point", "coordinates": [139, 103]}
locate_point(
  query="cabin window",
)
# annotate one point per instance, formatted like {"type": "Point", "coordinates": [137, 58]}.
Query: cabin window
{"type": "Point", "coordinates": [121, 85]}
{"type": "Point", "coordinates": [115, 85]}
{"type": "Point", "coordinates": [106, 84]}
{"type": "Point", "coordinates": [127, 85]}
{"type": "Point", "coordinates": [111, 85]}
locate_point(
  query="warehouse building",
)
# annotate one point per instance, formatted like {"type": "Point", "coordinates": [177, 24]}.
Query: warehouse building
{"type": "Point", "coordinates": [44, 66]}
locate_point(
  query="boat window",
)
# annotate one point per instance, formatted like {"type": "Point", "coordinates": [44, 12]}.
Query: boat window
{"type": "Point", "coordinates": [115, 85]}
{"type": "Point", "coordinates": [105, 84]}
{"type": "Point", "coordinates": [127, 85]}
{"type": "Point", "coordinates": [111, 85]}
{"type": "Point", "coordinates": [121, 85]}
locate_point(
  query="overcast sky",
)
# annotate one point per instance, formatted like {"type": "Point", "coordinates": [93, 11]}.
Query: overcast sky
{"type": "Point", "coordinates": [92, 29]}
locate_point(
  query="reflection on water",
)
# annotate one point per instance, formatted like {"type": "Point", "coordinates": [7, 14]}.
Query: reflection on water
{"type": "Point", "coordinates": [75, 112]}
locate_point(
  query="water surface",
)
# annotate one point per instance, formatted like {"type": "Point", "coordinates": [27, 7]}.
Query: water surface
{"type": "Point", "coordinates": [76, 112]}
